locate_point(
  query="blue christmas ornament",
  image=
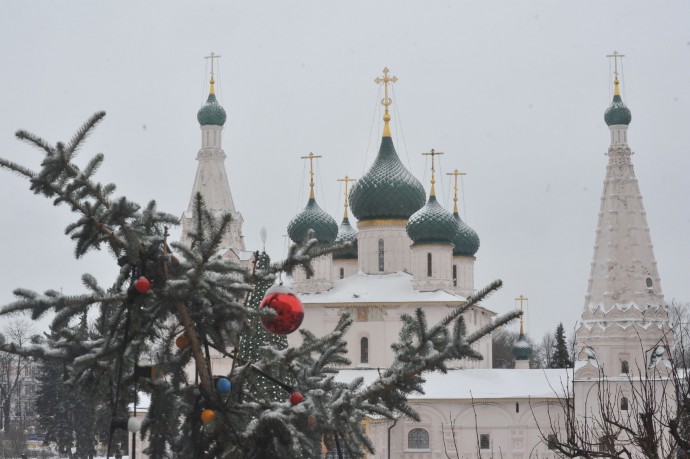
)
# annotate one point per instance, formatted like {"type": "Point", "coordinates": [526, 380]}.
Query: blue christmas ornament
{"type": "Point", "coordinates": [223, 386]}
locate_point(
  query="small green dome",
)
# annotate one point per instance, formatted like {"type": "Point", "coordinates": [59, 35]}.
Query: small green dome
{"type": "Point", "coordinates": [522, 349]}
{"type": "Point", "coordinates": [617, 113]}
{"type": "Point", "coordinates": [211, 113]}
{"type": "Point", "coordinates": [467, 241]}
{"type": "Point", "coordinates": [432, 224]}
{"type": "Point", "coordinates": [387, 190]}
{"type": "Point", "coordinates": [346, 233]}
{"type": "Point", "coordinates": [313, 217]}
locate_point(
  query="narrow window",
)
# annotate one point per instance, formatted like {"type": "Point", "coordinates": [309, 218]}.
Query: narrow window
{"type": "Point", "coordinates": [308, 276]}
{"type": "Point", "coordinates": [625, 368]}
{"type": "Point", "coordinates": [484, 441]}
{"type": "Point", "coordinates": [364, 350]}
{"type": "Point", "coordinates": [381, 255]}
{"type": "Point", "coordinates": [428, 265]}
{"type": "Point", "coordinates": [455, 275]}
{"type": "Point", "coordinates": [649, 282]}
{"type": "Point", "coordinates": [517, 407]}
{"type": "Point", "coordinates": [418, 439]}
{"type": "Point", "coordinates": [551, 441]}
{"type": "Point", "coordinates": [624, 403]}
{"type": "Point", "coordinates": [342, 272]}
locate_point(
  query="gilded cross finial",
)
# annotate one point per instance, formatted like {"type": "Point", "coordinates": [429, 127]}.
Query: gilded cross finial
{"type": "Point", "coordinates": [615, 57]}
{"type": "Point", "coordinates": [212, 57]}
{"type": "Point", "coordinates": [455, 174]}
{"type": "Point", "coordinates": [347, 181]}
{"type": "Point", "coordinates": [311, 157]}
{"type": "Point", "coordinates": [521, 299]}
{"type": "Point", "coordinates": [386, 101]}
{"type": "Point", "coordinates": [432, 153]}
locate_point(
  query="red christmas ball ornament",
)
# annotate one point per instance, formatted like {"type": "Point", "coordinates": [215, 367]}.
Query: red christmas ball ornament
{"type": "Point", "coordinates": [182, 342]}
{"type": "Point", "coordinates": [296, 398]}
{"type": "Point", "coordinates": [288, 308]}
{"type": "Point", "coordinates": [142, 285]}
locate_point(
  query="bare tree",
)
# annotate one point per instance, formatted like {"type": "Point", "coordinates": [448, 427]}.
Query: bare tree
{"type": "Point", "coordinates": [643, 414]}
{"type": "Point", "coordinates": [544, 351]}
{"type": "Point", "coordinates": [16, 378]}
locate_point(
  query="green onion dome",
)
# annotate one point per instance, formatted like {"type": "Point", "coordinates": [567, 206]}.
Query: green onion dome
{"type": "Point", "coordinates": [617, 113]}
{"type": "Point", "coordinates": [346, 233]}
{"type": "Point", "coordinates": [387, 190]}
{"type": "Point", "coordinates": [432, 224]}
{"type": "Point", "coordinates": [522, 349]}
{"type": "Point", "coordinates": [313, 217]}
{"type": "Point", "coordinates": [467, 241]}
{"type": "Point", "coordinates": [211, 113]}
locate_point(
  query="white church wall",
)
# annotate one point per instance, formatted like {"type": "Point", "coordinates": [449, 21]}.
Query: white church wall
{"type": "Point", "coordinates": [494, 428]}
{"type": "Point", "coordinates": [396, 247]}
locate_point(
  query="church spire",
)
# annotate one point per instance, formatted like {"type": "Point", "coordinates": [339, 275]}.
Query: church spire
{"type": "Point", "coordinates": [211, 177]}
{"type": "Point", "coordinates": [624, 302]}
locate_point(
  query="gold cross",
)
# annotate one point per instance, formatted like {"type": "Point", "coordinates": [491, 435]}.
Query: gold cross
{"type": "Point", "coordinates": [432, 153]}
{"type": "Point", "coordinates": [386, 101]}
{"type": "Point", "coordinates": [521, 299]}
{"type": "Point", "coordinates": [212, 57]}
{"type": "Point", "coordinates": [311, 157]}
{"type": "Point", "coordinates": [615, 57]}
{"type": "Point", "coordinates": [456, 173]}
{"type": "Point", "coordinates": [347, 180]}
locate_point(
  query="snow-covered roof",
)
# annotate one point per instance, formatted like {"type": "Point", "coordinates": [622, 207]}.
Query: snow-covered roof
{"type": "Point", "coordinates": [483, 384]}
{"type": "Point", "coordinates": [378, 288]}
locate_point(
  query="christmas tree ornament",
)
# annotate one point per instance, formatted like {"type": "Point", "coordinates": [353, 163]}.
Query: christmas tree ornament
{"type": "Point", "coordinates": [142, 285]}
{"type": "Point", "coordinates": [207, 416]}
{"type": "Point", "coordinates": [223, 386]}
{"type": "Point", "coordinates": [182, 342]}
{"type": "Point", "coordinates": [296, 398]}
{"type": "Point", "coordinates": [288, 308]}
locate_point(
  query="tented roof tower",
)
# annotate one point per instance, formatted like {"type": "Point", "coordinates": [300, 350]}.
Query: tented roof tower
{"type": "Point", "coordinates": [211, 178]}
{"type": "Point", "coordinates": [624, 319]}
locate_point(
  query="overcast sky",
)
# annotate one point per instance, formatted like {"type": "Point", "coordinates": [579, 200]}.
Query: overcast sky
{"type": "Point", "coordinates": [512, 91]}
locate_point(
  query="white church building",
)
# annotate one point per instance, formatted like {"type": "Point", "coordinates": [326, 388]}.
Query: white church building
{"type": "Point", "coordinates": [409, 252]}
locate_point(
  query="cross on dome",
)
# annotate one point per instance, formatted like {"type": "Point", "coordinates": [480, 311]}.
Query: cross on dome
{"type": "Point", "coordinates": [433, 153]}
{"type": "Point", "coordinates": [615, 57]}
{"type": "Point", "coordinates": [347, 181]}
{"type": "Point", "coordinates": [455, 174]}
{"type": "Point", "coordinates": [212, 57]}
{"type": "Point", "coordinates": [311, 157]}
{"type": "Point", "coordinates": [386, 101]}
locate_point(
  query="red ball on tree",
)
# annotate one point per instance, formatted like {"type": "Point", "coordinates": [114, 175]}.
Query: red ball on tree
{"type": "Point", "coordinates": [142, 285]}
{"type": "Point", "coordinates": [296, 398]}
{"type": "Point", "coordinates": [288, 308]}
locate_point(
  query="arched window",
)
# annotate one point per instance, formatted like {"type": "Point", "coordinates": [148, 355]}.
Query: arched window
{"type": "Point", "coordinates": [342, 272]}
{"type": "Point", "coordinates": [649, 282]}
{"type": "Point", "coordinates": [364, 350]}
{"type": "Point", "coordinates": [625, 368]}
{"type": "Point", "coordinates": [418, 439]}
{"type": "Point", "coordinates": [428, 265]}
{"type": "Point", "coordinates": [624, 403]}
{"type": "Point", "coordinates": [517, 407]}
{"type": "Point", "coordinates": [455, 275]}
{"type": "Point", "coordinates": [381, 255]}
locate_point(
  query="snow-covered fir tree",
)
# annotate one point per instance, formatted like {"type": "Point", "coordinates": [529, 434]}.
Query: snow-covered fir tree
{"type": "Point", "coordinates": [183, 301]}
